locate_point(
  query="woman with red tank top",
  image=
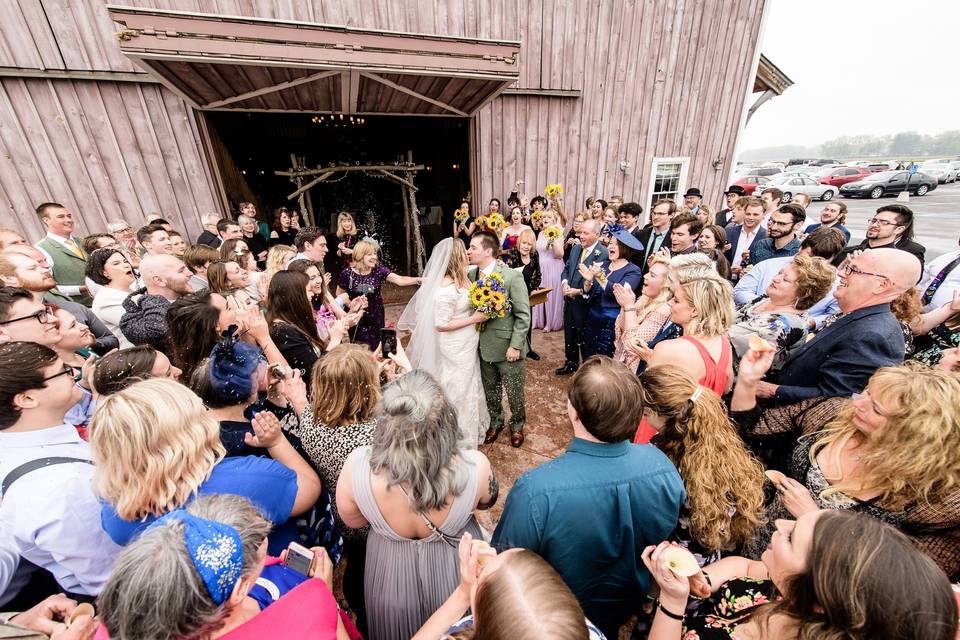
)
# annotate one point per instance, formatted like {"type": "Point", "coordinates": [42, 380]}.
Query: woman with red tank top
{"type": "Point", "coordinates": [703, 306]}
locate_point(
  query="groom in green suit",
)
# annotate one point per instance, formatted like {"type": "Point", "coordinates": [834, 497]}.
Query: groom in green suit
{"type": "Point", "coordinates": [503, 343]}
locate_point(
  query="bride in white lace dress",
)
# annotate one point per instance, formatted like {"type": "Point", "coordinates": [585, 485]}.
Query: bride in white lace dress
{"type": "Point", "coordinates": [444, 338]}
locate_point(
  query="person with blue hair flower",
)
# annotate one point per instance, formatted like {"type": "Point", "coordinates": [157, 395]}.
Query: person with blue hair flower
{"type": "Point", "coordinates": [204, 571]}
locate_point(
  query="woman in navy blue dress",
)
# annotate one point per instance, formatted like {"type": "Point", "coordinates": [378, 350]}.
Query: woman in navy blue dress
{"type": "Point", "coordinates": [599, 329]}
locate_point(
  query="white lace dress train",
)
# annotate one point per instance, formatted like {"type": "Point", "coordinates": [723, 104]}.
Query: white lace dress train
{"type": "Point", "coordinates": [459, 363]}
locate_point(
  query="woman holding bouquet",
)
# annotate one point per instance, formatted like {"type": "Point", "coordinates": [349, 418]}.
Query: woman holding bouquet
{"type": "Point", "coordinates": [598, 281]}
{"type": "Point", "coordinates": [549, 316]}
{"type": "Point", "coordinates": [464, 224]}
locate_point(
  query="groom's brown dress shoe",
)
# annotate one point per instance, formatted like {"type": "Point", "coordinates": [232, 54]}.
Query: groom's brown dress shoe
{"type": "Point", "coordinates": [516, 439]}
{"type": "Point", "coordinates": [492, 435]}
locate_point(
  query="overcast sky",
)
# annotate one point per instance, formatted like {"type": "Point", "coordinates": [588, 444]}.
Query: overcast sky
{"type": "Point", "coordinates": [859, 67]}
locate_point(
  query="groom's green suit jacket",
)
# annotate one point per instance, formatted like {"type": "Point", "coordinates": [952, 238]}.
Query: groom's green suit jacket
{"type": "Point", "coordinates": [510, 330]}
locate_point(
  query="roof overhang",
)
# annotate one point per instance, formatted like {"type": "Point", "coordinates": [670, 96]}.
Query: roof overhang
{"type": "Point", "coordinates": [770, 78]}
{"type": "Point", "coordinates": [220, 62]}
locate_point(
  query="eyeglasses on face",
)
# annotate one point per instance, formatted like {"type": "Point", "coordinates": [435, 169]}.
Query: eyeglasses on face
{"type": "Point", "coordinates": [846, 269]}
{"type": "Point", "coordinates": [882, 222]}
{"type": "Point", "coordinates": [75, 372]}
{"type": "Point", "coordinates": [44, 316]}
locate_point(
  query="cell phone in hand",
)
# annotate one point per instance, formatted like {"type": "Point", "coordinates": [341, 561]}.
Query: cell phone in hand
{"type": "Point", "coordinates": [299, 558]}
{"type": "Point", "coordinates": [388, 342]}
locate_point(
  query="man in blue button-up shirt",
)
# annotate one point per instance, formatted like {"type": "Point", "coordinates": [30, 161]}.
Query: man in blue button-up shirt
{"type": "Point", "coordinates": [592, 511]}
{"type": "Point", "coordinates": [781, 240]}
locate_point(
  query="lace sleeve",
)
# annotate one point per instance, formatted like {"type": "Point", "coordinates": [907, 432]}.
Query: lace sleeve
{"type": "Point", "coordinates": [446, 304]}
{"type": "Point", "coordinates": [801, 418]}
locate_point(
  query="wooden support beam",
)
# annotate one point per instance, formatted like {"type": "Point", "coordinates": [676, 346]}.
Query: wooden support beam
{"type": "Point", "coordinates": [305, 187]}
{"type": "Point", "coordinates": [271, 89]}
{"type": "Point", "coordinates": [403, 181]}
{"type": "Point", "coordinates": [411, 92]}
{"type": "Point", "coordinates": [348, 167]}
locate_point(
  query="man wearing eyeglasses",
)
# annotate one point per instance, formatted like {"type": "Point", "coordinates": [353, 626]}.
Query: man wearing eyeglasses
{"type": "Point", "coordinates": [781, 240]}
{"type": "Point", "coordinates": [843, 355]}
{"type": "Point", "coordinates": [24, 319]}
{"type": "Point", "coordinates": [891, 227]}
{"type": "Point", "coordinates": [48, 506]}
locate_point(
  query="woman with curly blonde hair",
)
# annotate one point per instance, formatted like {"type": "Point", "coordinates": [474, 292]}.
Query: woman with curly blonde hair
{"type": "Point", "coordinates": [157, 448]}
{"type": "Point", "coordinates": [642, 318]}
{"type": "Point", "coordinates": [724, 480]}
{"type": "Point", "coordinates": [892, 452]}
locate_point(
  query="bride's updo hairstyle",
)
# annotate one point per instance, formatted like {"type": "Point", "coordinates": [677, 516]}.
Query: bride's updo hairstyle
{"type": "Point", "coordinates": [457, 267]}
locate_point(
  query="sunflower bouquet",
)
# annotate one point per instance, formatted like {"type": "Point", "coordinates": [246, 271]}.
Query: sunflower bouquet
{"type": "Point", "coordinates": [536, 216]}
{"type": "Point", "coordinates": [488, 295]}
{"type": "Point", "coordinates": [460, 216]}
{"type": "Point", "coordinates": [553, 233]}
{"type": "Point", "coordinates": [553, 190]}
{"type": "Point", "coordinates": [493, 223]}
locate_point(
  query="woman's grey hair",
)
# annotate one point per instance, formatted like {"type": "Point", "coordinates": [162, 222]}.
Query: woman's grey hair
{"type": "Point", "coordinates": [116, 225]}
{"type": "Point", "coordinates": [244, 219]}
{"type": "Point", "coordinates": [210, 218]}
{"type": "Point", "coordinates": [155, 592]}
{"type": "Point", "coordinates": [418, 441]}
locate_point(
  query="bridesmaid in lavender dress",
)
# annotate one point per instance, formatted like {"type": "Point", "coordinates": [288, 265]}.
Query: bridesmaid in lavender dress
{"type": "Point", "coordinates": [549, 316]}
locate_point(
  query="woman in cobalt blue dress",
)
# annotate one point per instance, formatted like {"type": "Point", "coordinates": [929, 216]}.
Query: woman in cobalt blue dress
{"type": "Point", "coordinates": [599, 329]}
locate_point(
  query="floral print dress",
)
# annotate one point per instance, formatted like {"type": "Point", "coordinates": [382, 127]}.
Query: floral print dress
{"type": "Point", "coordinates": [717, 617]}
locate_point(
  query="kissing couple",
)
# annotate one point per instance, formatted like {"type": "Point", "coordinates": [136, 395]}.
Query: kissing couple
{"type": "Point", "coordinates": [473, 367]}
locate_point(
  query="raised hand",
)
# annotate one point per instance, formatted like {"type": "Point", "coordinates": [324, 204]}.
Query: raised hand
{"type": "Point", "coordinates": [266, 431]}
{"type": "Point", "coordinates": [626, 298]}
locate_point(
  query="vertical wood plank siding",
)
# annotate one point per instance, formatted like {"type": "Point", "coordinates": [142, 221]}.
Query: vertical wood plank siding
{"type": "Point", "coordinates": [656, 78]}
{"type": "Point", "coordinates": [106, 150]}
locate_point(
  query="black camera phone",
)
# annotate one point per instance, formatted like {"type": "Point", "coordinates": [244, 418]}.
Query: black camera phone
{"type": "Point", "coordinates": [388, 342]}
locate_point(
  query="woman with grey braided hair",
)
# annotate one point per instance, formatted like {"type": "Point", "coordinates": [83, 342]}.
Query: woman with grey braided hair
{"type": "Point", "coordinates": [417, 487]}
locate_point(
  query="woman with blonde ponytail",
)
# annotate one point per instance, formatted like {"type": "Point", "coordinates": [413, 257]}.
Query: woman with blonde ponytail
{"type": "Point", "coordinates": [724, 481]}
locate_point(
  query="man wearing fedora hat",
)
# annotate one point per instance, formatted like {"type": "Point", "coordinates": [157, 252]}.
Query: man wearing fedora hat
{"type": "Point", "coordinates": [692, 199]}
{"type": "Point", "coordinates": [732, 194]}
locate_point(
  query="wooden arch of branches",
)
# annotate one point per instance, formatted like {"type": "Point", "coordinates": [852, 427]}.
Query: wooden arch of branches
{"type": "Point", "coordinates": [402, 173]}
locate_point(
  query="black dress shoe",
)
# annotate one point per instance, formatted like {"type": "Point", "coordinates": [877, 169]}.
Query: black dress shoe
{"type": "Point", "coordinates": [566, 369]}
{"type": "Point", "coordinates": [533, 355]}
{"type": "Point", "coordinates": [491, 436]}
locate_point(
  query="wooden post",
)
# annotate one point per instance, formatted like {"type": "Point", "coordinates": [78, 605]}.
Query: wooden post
{"type": "Point", "coordinates": [415, 219]}
{"type": "Point", "coordinates": [407, 226]}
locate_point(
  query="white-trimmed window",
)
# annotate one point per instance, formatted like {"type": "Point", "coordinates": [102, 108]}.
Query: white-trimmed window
{"type": "Point", "coordinates": [668, 179]}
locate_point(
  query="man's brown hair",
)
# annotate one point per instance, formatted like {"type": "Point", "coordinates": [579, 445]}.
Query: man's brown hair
{"type": "Point", "coordinates": [197, 255]}
{"type": "Point", "coordinates": [607, 398]}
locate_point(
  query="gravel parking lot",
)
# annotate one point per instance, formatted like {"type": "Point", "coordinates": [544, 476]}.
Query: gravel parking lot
{"type": "Point", "coordinates": [937, 217]}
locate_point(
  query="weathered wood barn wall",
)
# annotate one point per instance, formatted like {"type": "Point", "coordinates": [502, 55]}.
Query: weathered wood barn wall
{"type": "Point", "coordinates": [602, 83]}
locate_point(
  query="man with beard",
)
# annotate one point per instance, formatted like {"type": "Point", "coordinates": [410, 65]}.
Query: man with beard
{"type": "Point", "coordinates": [25, 266]}
{"type": "Point", "coordinates": [833, 214]}
{"type": "Point", "coordinates": [781, 237]}
{"type": "Point", "coordinates": [891, 227]}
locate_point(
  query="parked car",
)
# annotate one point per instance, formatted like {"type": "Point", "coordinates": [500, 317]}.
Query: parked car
{"type": "Point", "coordinates": [795, 185]}
{"type": "Point", "coordinates": [842, 175]}
{"type": "Point", "coordinates": [944, 173]}
{"type": "Point", "coordinates": [750, 183]}
{"type": "Point", "coordinates": [877, 167]}
{"type": "Point", "coordinates": [886, 182]}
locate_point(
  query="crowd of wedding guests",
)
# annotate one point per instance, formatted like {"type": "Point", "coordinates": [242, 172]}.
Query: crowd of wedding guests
{"type": "Point", "coordinates": [196, 435]}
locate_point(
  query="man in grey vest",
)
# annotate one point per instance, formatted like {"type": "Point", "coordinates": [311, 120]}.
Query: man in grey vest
{"type": "Point", "coordinates": [64, 252]}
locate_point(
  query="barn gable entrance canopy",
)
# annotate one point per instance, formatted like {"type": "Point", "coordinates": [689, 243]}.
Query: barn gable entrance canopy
{"type": "Point", "coordinates": [219, 62]}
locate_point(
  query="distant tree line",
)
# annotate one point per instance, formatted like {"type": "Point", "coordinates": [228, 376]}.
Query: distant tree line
{"type": "Point", "coordinates": [904, 143]}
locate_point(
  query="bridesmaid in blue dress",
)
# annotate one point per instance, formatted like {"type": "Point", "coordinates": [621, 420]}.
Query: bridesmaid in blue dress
{"type": "Point", "coordinates": [599, 329]}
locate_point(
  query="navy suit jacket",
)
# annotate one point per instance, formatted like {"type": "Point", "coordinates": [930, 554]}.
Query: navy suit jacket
{"type": "Point", "coordinates": [840, 359]}
{"type": "Point", "coordinates": [733, 237]}
{"type": "Point", "coordinates": [571, 272]}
